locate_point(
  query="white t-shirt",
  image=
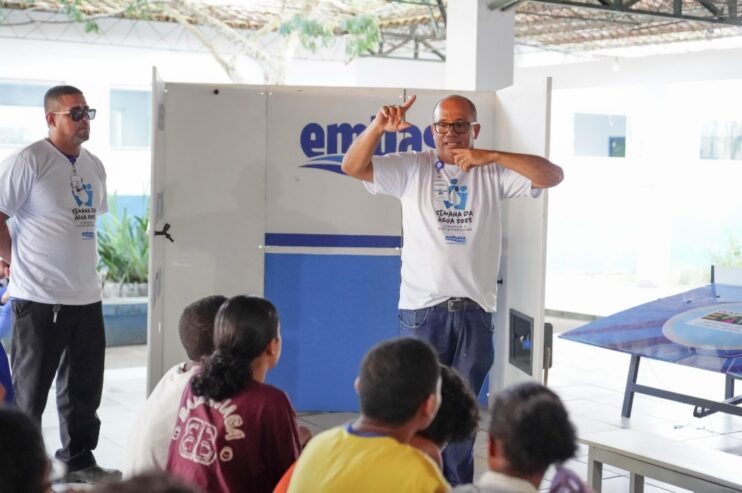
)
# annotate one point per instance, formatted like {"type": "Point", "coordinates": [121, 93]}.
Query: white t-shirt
{"type": "Point", "coordinates": [452, 225]}
{"type": "Point", "coordinates": [152, 432]}
{"type": "Point", "coordinates": [54, 210]}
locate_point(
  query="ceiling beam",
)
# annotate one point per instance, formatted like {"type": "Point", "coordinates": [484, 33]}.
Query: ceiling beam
{"type": "Point", "coordinates": [444, 15]}
{"type": "Point", "coordinates": [677, 13]}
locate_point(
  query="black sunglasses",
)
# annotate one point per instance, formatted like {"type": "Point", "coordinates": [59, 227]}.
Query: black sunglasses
{"type": "Point", "coordinates": [78, 113]}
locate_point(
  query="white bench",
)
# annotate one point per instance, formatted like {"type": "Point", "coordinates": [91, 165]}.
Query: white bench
{"type": "Point", "coordinates": [678, 463]}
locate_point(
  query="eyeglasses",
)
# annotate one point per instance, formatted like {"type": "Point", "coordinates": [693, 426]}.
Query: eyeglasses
{"type": "Point", "coordinates": [458, 127]}
{"type": "Point", "coordinates": [78, 113]}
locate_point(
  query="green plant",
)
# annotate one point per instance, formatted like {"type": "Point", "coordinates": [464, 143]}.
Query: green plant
{"type": "Point", "coordinates": [731, 256]}
{"type": "Point", "coordinates": [123, 245]}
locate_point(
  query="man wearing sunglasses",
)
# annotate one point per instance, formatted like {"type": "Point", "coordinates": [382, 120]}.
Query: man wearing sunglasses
{"type": "Point", "coordinates": [54, 190]}
{"type": "Point", "coordinates": [451, 202]}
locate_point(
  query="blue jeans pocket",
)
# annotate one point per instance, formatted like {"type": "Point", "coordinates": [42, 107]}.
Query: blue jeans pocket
{"type": "Point", "coordinates": [413, 319]}
{"type": "Point", "coordinates": [488, 320]}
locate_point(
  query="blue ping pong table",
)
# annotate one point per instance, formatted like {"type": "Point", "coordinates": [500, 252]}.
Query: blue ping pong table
{"type": "Point", "coordinates": [700, 328]}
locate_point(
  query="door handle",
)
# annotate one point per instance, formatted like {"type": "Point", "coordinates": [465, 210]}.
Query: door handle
{"type": "Point", "coordinates": [165, 231]}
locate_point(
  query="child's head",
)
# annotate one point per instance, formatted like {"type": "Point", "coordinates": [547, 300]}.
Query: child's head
{"type": "Point", "coordinates": [529, 431]}
{"type": "Point", "coordinates": [245, 329]}
{"type": "Point", "coordinates": [398, 379]}
{"type": "Point", "coordinates": [25, 466]}
{"type": "Point", "coordinates": [196, 326]}
{"type": "Point", "coordinates": [458, 416]}
{"type": "Point", "coordinates": [245, 325]}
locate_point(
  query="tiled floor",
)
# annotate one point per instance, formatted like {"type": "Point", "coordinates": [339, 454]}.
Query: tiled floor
{"type": "Point", "coordinates": [589, 380]}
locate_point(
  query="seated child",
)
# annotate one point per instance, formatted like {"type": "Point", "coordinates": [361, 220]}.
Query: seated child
{"type": "Point", "coordinates": [456, 420]}
{"type": "Point", "coordinates": [399, 389]}
{"type": "Point", "coordinates": [153, 430]}
{"type": "Point", "coordinates": [529, 431]}
{"type": "Point", "coordinates": [234, 433]}
{"type": "Point", "coordinates": [25, 465]}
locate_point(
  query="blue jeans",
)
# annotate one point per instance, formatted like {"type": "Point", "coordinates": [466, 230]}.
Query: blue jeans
{"type": "Point", "coordinates": [463, 340]}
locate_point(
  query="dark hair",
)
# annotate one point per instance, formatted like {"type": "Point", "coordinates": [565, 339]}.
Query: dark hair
{"type": "Point", "coordinates": [532, 424]}
{"type": "Point", "coordinates": [469, 103]}
{"type": "Point", "coordinates": [196, 326]}
{"type": "Point", "coordinates": [22, 453]}
{"type": "Point", "coordinates": [56, 92]}
{"type": "Point", "coordinates": [244, 327]}
{"type": "Point", "coordinates": [149, 482]}
{"type": "Point", "coordinates": [458, 415]}
{"type": "Point", "coordinates": [396, 378]}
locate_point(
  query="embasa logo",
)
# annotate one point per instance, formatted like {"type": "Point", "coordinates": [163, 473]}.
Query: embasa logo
{"type": "Point", "coordinates": [325, 147]}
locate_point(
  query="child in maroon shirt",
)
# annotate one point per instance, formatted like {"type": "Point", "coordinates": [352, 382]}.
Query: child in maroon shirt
{"type": "Point", "coordinates": [234, 432]}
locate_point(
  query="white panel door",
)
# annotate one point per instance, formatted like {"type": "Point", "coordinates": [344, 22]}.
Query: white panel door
{"type": "Point", "coordinates": [522, 125]}
{"type": "Point", "coordinates": [208, 184]}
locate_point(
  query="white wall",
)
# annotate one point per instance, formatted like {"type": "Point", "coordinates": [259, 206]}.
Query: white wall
{"type": "Point", "coordinates": [626, 231]}
{"type": "Point", "coordinates": [658, 69]}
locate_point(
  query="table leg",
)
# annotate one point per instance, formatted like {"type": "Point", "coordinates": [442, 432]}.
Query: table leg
{"type": "Point", "coordinates": [628, 397]}
{"type": "Point", "coordinates": [636, 483]}
{"type": "Point", "coordinates": [729, 387]}
{"type": "Point", "coordinates": [594, 472]}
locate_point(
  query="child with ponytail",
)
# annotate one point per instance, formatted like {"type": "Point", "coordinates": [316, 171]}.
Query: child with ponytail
{"type": "Point", "coordinates": [234, 432]}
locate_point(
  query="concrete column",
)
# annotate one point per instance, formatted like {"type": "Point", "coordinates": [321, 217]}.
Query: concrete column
{"type": "Point", "coordinates": [479, 46]}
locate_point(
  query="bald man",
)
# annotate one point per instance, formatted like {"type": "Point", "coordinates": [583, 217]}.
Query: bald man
{"type": "Point", "coordinates": [451, 205]}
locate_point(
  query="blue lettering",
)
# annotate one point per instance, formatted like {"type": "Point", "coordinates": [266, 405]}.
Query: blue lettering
{"type": "Point", "coordinates": [388, 144]}
{"type": "Point", "coordinates": [336, 138]}
{"type": "Point", "coordinates": [412, 140]}
{"type": "Point", "coordinates": [428, 137]}
{"type": "Point", "coordinates": [313, 140]}
{"type": "Point", "coordinates": [345, 132]}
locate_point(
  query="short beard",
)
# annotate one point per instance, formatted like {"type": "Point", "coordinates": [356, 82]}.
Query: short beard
{"type": "Point", "coordinates": [80, 137]}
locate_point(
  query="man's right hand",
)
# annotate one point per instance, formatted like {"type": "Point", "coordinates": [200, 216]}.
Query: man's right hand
{"type": "Point", "coordinates": [392, 118]}
{"type": "Point", "coordinates": [357, 160]}
{"type": "Point", "coordinates": [4, 269]}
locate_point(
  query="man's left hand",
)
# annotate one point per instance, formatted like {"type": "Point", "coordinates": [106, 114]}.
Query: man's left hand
{"type": "Point", "coordinates": [466, 159]}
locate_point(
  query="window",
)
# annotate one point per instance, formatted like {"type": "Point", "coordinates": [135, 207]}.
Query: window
{"type": "Point", "coordinates": [131, 118]}
{"type": "Point", "coordinates": [721, 140]}
{"type": "Point", "coordinates": [600, 135]}
{"type": "Point", "coordinates": [21, 113]}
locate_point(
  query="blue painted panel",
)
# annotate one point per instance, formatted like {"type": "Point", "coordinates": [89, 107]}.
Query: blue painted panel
{"type": "Point", "coordinates": [341, 241]}
{"type": "Point", "coordinates": [125, 323]}
{"type": "Point", "coordinates": [333, 308]}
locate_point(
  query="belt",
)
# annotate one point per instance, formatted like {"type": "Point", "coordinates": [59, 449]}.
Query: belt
{"type": "Point", "coordinates": [458, 304]}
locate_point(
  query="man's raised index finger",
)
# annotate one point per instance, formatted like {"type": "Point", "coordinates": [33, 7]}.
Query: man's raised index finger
{"type": "Point", "coordinates": [406, 105]}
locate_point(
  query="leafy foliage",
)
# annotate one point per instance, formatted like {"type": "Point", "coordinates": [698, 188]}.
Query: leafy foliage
{"type": "Point", "coordinates": [362, 32]}
{"type": "Point", "coordinates": [123, 245]}
{"type": "Point", "coordinates": [310, 32]}
{"type": "Point", "coordinates": [73, 12]}
{"type": "Point", "coordinates": [732, 255]}
{"type": "Point", "coordinates": [313, 28]}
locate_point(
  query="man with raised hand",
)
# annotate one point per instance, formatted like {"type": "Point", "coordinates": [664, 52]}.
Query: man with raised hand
{"type": "Point", "coordinates": [54, 190]}
{"type": "Point", "coordinates": [451, 206]}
